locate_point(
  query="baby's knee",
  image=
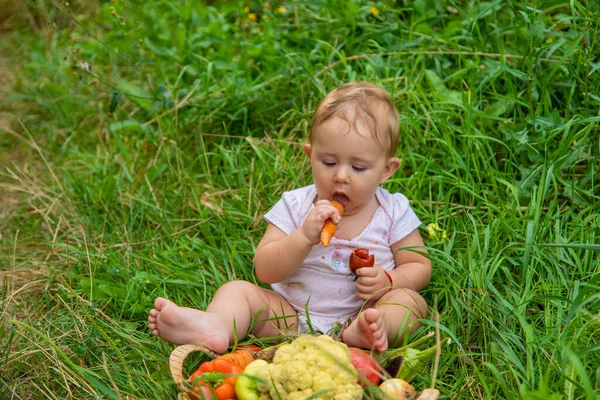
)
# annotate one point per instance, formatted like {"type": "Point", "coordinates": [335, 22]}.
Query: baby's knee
{"type": "Point", "coordinates": [422, 307]}
{"type": "Point", "coordinates": [238, 287]}
{"type": "Point", "coordinates": [410, 299]}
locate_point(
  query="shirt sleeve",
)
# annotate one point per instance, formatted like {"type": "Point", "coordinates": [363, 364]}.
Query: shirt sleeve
{"type": "Point", "coordinates": [404, 219]}
{"type": "Point", "coordinates": [285, 213]}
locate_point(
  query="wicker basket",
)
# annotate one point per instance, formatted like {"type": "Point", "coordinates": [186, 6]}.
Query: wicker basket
{"type": "Point", "coordinates": [180, 353]}
{"type": "Point", "coordinates": [176, 360]}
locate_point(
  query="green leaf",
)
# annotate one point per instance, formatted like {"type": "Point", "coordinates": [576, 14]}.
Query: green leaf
{"type": "Point", "coordinates": [411, 365]}
{"type": "Point", "coordinates": [114, 101]}
{"type": "Point", "coordinates": [435, 82]}
{"type": "Point", "coordinates": [135, 94]}
{"type": "Point", "coordinates": [127, 125]}
{"type": "Point", "coordinates": [514, 72]}
{"type": "Point", "coordinates": [499, 108]}
{"type": "Point", "coordinates": [583, 246]}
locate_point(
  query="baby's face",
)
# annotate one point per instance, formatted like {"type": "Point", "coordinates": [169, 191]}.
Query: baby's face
{"type": "Point", "coordinates": [348, 165]}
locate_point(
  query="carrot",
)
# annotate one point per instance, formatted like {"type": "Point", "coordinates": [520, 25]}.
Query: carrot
{"type": "Point", "coordinates": [241, 356]}
{"type": "Point", "coordinates": [329, 227]}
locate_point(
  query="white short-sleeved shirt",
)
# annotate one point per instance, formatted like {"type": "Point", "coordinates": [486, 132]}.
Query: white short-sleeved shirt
{"type": "Point", "coordinates": [324, 280]}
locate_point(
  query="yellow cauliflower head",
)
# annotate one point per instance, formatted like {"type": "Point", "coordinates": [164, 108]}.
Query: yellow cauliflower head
{"type": "Point", "coordinates": [311, 365]}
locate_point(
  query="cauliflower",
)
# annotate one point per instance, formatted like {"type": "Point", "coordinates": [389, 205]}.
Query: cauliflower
{"type": "Point", "coordinates": [310, 366]}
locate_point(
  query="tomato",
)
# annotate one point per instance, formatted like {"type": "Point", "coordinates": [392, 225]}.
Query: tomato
{"type": "Point", "coordinates": [368, 370]}
{"type": "Point", "coordinates": [360, 258]}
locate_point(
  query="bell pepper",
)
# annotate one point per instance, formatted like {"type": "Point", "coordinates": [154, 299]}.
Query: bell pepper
{"type": "Point", "coordinates": [246, 387]}
{"type": "Point", "coordinates": [219, 376]}
{"type": "Point", "coordinates": [198, 392]}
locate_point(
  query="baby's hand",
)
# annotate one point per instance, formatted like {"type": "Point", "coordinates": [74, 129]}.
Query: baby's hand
{"type": "Point", "coordinates": [372, 283]}
{"type": "Point", "coordinates": [311, 228]}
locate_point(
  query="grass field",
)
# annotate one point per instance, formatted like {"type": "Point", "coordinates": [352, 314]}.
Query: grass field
{"type": "Point", "coordinates": [141, 143]}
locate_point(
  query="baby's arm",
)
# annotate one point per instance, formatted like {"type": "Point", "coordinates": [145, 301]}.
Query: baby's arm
{"type": "Point", "coordinates": [413, 270]}
{"type": "Point", "coordinates": [279, 255]}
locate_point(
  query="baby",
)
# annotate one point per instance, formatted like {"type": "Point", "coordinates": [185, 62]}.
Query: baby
{"type": "Point", "coordinates": [352, 151]}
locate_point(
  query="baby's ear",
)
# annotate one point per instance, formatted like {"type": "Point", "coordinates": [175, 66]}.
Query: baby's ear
{"type": "Point", "coordinates": [392, 165]}
{"type": "Point", "coordinates": [307, 147]}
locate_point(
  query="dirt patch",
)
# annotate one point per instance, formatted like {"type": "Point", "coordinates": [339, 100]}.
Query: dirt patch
{"type": "Point", "coordinates": [8, 24]}
{"type": "Point", "coordinates": [7, 200]}
{"type": "Point", "coordinates": [6, 82]}
{"type": "Point", "coordinates": [8, 15]}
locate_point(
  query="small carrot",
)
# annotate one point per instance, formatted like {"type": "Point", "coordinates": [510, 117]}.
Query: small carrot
{"type": "Point", "coordinates": [329, 227]}
{"type": "Point", "coordinates": [242, 356]}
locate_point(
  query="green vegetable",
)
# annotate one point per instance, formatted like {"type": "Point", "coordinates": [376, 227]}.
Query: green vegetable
{"type": "Point", "coordinates": [246, 387]}
{"type": "Point", "coordinates": [413, 358]}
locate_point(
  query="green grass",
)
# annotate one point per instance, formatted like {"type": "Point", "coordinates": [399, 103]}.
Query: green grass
{"type": "Point", "coordinates": [149, 175]}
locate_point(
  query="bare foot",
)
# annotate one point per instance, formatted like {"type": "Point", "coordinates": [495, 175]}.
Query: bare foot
{"type": "Point", "coordinates": [182, 325]}
{"type": "Point", "coordinates": [367, 331]}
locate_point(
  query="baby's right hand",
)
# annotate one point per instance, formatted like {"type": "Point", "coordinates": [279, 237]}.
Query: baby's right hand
{"type": "Point", "coordinates": [316, 218]}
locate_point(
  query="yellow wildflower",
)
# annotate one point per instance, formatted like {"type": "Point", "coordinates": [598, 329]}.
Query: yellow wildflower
{"type": "Point", "coordinates": [252, 17]}
{"type": "Point", "coordinates": [374, 10]}
{"type": "Point", "coordinates": [433, 231]}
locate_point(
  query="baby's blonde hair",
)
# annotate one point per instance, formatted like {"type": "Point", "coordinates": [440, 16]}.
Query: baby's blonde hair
{"type": "Point", "coordinates": [366, 102]}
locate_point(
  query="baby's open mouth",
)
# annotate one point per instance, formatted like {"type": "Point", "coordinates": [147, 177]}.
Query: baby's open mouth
{"type": "Point", "coordinates": [342, 198]}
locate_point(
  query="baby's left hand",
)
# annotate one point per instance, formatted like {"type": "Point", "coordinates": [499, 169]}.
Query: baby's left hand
{"type": "Point", "coordinates": [372, 283]}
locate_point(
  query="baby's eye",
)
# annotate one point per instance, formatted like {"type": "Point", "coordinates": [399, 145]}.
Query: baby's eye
{"type": "Point", "coordinates": [328, 163]}
{"type": "Point", "coordinates": [358, 168]}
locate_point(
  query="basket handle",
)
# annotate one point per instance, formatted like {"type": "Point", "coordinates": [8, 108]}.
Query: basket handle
{"type": "Point", "coordinates": [177, 358]}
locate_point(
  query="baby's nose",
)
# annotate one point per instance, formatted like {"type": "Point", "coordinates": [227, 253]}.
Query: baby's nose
{"type": "Point", "coordinates": [341, 175]}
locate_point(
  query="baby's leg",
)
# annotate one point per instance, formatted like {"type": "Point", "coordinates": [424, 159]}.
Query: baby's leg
{"type": "Point", "coordinates": [234, 304]}
{"type": "Point", "coordinates": [377, 327]}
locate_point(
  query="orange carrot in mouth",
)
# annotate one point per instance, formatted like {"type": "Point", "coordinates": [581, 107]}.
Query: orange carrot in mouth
{"type": "Point", "coordinates": [329, 227]}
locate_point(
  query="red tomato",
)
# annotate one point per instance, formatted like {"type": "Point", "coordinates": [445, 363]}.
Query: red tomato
{"type": "Point", "coordinates": [360, 258]}
{"type": "Point", "coordinates": [368, 369]}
